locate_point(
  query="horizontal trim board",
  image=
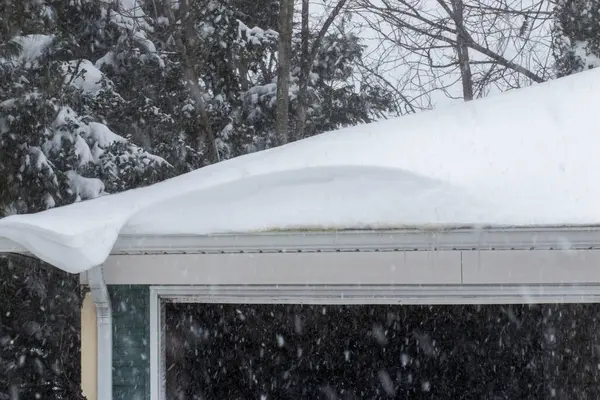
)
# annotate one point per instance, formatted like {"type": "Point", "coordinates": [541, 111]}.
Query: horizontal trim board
{"type": "Point", "coordinates": [524, 267]}
{"type": "Point", "coordinates": [402, 267]}
{"type": "Point", "coordinates": [286, 268]}
{"type": "Point", "coordinates": [382, 294]}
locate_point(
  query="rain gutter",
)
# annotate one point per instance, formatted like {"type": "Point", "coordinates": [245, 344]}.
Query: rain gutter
{"type": "Point", "coordinates": [407, 239]}
{"type": "Point", "coordinates": [101, 299]}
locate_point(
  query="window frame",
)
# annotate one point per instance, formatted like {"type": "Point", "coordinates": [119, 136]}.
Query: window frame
{"type": "Point", "coordinates": [345, 294]}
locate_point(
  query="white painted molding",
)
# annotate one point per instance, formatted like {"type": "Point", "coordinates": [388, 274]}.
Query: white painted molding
{"type": "Point", "coordinates": [348, 294]}
{"type": "Point", "coordinates": [531, 267]}
{"type": "Point", "coordinates": [286, 268]}
{"type": "Point", "coordinates": [104, 337]}
{"type": "Point", "coordinates": [381, 294]}
{"type": "Point", "coordinates": [155, 340]}
{"type": "Point", "coordinates": [366, 268]}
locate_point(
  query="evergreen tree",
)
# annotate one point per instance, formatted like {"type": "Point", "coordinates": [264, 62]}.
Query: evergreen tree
{"type": "Point", "coordinates": [576, 36]}
{"type": "Point", "coordinates": [216, 45]}
{"type": "Point", "coordinates": [142, 67]}
{"type": "Point", "coordinates": [62, 139]}
{"type": "Point", "coordinates": [231, 49]}
{"type": "Point", "coordinates": [56, 141]}
{"type": "Point", "coordinates": [39, 332]}
{"type": "Point", "coordinates": [339, 96]}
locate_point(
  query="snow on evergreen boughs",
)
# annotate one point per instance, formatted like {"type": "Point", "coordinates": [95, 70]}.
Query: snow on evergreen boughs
{"type": "Point", "coordinates": [55, 142]}
{"type": "Point", "coordinates": [257, 36]}
{"type": "Point", "coordinates": [576, 36]}
{"type": "Point", "coordinates": [60, 152]}
{"type": "Point", "coordinates": [121, 67]}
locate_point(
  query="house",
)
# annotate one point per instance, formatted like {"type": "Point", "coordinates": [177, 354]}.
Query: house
{"type": "Point", "coordinates": [489, 202]}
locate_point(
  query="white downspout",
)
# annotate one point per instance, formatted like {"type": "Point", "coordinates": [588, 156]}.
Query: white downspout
{"type": "Point", "coordinates": [104, 326]}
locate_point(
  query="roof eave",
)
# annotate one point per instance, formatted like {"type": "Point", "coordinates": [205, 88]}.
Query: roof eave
{"type": "Point", "coordinates": [417, 239]}
{"type": "Point", "coordinates": [561, 238]}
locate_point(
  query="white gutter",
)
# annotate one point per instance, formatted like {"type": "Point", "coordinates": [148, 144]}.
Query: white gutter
{"type": "Point", "coordinates": [104, 326]}
{"type": "Point", "coordinates": [497, 238]}
{"type": "Point", "coordinates": [419, 239]}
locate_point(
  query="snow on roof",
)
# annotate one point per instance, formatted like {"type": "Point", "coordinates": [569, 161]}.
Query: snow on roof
{"type": "Point", "coordinates": [527, 157]}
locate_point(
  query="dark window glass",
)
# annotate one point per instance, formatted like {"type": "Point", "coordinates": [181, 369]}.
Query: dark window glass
{"type": "Point", "coordinates": [225, 351]}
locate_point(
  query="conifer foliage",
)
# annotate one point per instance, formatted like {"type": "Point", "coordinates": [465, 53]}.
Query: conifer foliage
{"type": "Point", "coordinates": [39, 332]}
{"type": "Point", "coordinates": [101, 96]}
{"type": "Point", "coordinates": [57, 141]}
{"type": "Point", "coordinates": [576, 36]}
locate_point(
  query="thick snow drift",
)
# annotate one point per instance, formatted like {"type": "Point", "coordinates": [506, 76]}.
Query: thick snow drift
{"type": "Point", "coordinates": [528, 157]}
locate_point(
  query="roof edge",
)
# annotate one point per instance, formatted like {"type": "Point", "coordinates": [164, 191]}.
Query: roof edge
{"type": "Point", "coordinates": [547, 238]}
{"type": "Point", "coordinates": [417, 239]}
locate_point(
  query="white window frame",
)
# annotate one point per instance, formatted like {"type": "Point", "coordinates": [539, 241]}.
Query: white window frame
{"type": "Point", "coordinates": [346, 294]}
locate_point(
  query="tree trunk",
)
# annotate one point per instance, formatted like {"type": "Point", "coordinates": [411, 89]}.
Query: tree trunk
{"type": "Point", "coordinates": [305, 67]}
{"type": "Point", "coordinates": [309, 54]}
{"type": "Point", "coordinates": [462, 50]}
{"type": "Point", "coordinates": [185, 41]}
{"type": "Point", "coordinates": [286, 13]}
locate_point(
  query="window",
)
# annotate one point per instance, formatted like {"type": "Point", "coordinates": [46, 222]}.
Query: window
{"type": "Point", "coordinates": [252, 350]}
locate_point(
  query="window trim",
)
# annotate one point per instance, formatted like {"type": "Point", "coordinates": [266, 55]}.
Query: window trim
{"type": "Point", "coordinates": [346, 294]}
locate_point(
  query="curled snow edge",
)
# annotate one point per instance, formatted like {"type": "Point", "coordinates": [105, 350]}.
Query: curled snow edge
{"type": "Point", "coordinates": [66, 238]}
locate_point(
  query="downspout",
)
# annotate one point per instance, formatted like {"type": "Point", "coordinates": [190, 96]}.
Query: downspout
{"type": "Point", "coordinates": [104, 328]}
